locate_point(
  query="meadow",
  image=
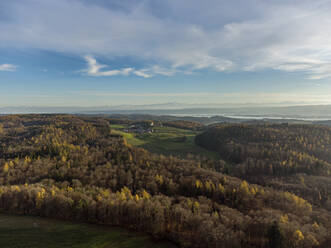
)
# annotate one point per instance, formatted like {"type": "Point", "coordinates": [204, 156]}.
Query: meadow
{"type": "Point", "coordinates": [35, 232]}
{"type": "Point", "coordinates": [166, 141]}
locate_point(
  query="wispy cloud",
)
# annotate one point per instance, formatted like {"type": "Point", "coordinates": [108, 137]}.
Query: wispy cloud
{"type": "Point", "coordinates": [142, 73]}
{"type": "Point", "coordinates": [8, 67]}
{"type": "Point", "coordinates": [94, 69]}
{"type": "Point", "coordinates": [98, 70]}
{"type": "Point", "coordinates": [187, 35]}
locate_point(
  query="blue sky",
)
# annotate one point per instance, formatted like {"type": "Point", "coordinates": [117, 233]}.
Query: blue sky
{"type": "Point", "coordinates": [93, 53]}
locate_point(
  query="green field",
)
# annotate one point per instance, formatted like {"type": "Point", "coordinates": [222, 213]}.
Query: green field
{"type": "Point", "coordinates": [35, 232]}
{"type": "Point", "coordinates": [167, 141]}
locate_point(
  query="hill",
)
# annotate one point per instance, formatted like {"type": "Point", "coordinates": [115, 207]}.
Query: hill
{"type": "Point", "coordinates": [76, 168]}
{"type": "Point", "coordinates": [288, 157]}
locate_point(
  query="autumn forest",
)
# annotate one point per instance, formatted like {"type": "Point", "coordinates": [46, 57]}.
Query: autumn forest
{"type": "Point", "coordinates": [271, 187]}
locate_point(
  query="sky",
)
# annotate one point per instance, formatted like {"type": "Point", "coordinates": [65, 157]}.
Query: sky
{"type": "Point", "coordinates": [130, 52]}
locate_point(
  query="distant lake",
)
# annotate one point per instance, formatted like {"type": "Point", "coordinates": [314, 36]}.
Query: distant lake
{"type": "Point", "coordinates": [258, 117]}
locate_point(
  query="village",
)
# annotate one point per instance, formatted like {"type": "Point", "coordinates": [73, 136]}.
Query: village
{"type": "Point", "coordinates": [143, 127]}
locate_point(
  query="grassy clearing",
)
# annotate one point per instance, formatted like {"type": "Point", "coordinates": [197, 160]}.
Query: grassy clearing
{"type": "Point", "coordinates": [130, 137]}
{"type": "Point", "coordinates": [35, 232]}
{"type": "Point", "coordinates": [167, 141]}
{"type": "Point", "coordinates": [116, 126]}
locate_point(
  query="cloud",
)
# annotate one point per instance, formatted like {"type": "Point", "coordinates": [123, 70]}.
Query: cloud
{"type": "Point", "coordinates": [95, 69]}
{"type": "Point", "coordinates": [163, 71]}
{"type": "Point", "coordinates": [178, 36]}
{"type": "Point", "coordinates": [8, 67]}
{"type": "Point", "coordinates": [142, 73]}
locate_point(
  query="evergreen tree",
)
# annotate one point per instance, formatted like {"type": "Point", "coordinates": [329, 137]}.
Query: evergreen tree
{"type": "Point", "coordinates": [275, 236]}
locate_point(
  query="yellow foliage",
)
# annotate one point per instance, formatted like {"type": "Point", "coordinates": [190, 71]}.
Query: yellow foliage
{"type": "Point", "coordinates": [40, 197]}
{"type": "Point", "coordinates": [121, 195]}
{"type": "Point", "coordinates": [27, 159]}
{"type": "Point", "coordinates": [209, 185]}
{"type": "Point", "coordinates": [298, 236]}
{"type": "Point", "coordinates": [284, 219]}
{"type": "Point", "coordinates": [198, 184]}
{"type": "Point", "coordinates": [253, 190]}
{"type": "Point", "coordinates": [221, 188]}
{"type": "Point", "coordinates": [316, 226]}
{"type": "Point", "coordinates": [105, 193]}
{"type": "Point", "coordinates": [189, 203]}
{"type": "Point", "coordinates": [196, 207]}
{"type": "Point", "coordinates": [159, 179]}
{"type": "Point", "coordinates": [99, 198]}
{"type": "Point", "coordinates": [5, 168]}
{"type": "Point", "coordinates": [130, 157]}
{"type": "Point", "coordinates": [41, 194]}
{"type": "Point", "coordinates": [63, 159]}
{"type": "Point", "coordinates": [244, 188]}
{"type": "Point", "coordinates": [16, 188]}
{"type": "Point", "coordinates": [125, 194]}
{"type": "Point", "coordinates": [311, 240]}
{"type": "Point", "coordinates": [126, 190]}
{"type": "Point", "coordinates": [145, 194]}
{"type": "Point", "coordinates": [298, 201]}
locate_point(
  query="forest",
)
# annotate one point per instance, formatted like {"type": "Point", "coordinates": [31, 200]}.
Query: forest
{"type": "Point", "coordinates": [271, 187]}
{"type": "Point", "coordinates": [294, 158]}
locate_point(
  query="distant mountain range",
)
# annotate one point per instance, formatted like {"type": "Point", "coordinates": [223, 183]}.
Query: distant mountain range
{"type": "Point", "coordinates": [302, 112]}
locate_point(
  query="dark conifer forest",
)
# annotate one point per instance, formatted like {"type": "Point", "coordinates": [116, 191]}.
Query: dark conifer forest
{"type": "Point", "coordinates": [271, 189]}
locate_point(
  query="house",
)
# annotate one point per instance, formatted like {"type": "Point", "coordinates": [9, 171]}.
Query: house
{"type": "Point", "coordinates": [142, 127]}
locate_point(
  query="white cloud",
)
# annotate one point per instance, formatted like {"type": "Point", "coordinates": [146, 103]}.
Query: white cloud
{"type": "Point", "coordinates": [163, 71]}
{"type": "Point", "coordinates": [187, 35]}
{"type": "Point", "coordinates": [142, 73]}
{"type": "Point", "coordinates": [94, 69]}
{"type": "Point", "coordinates": [8, 67]}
